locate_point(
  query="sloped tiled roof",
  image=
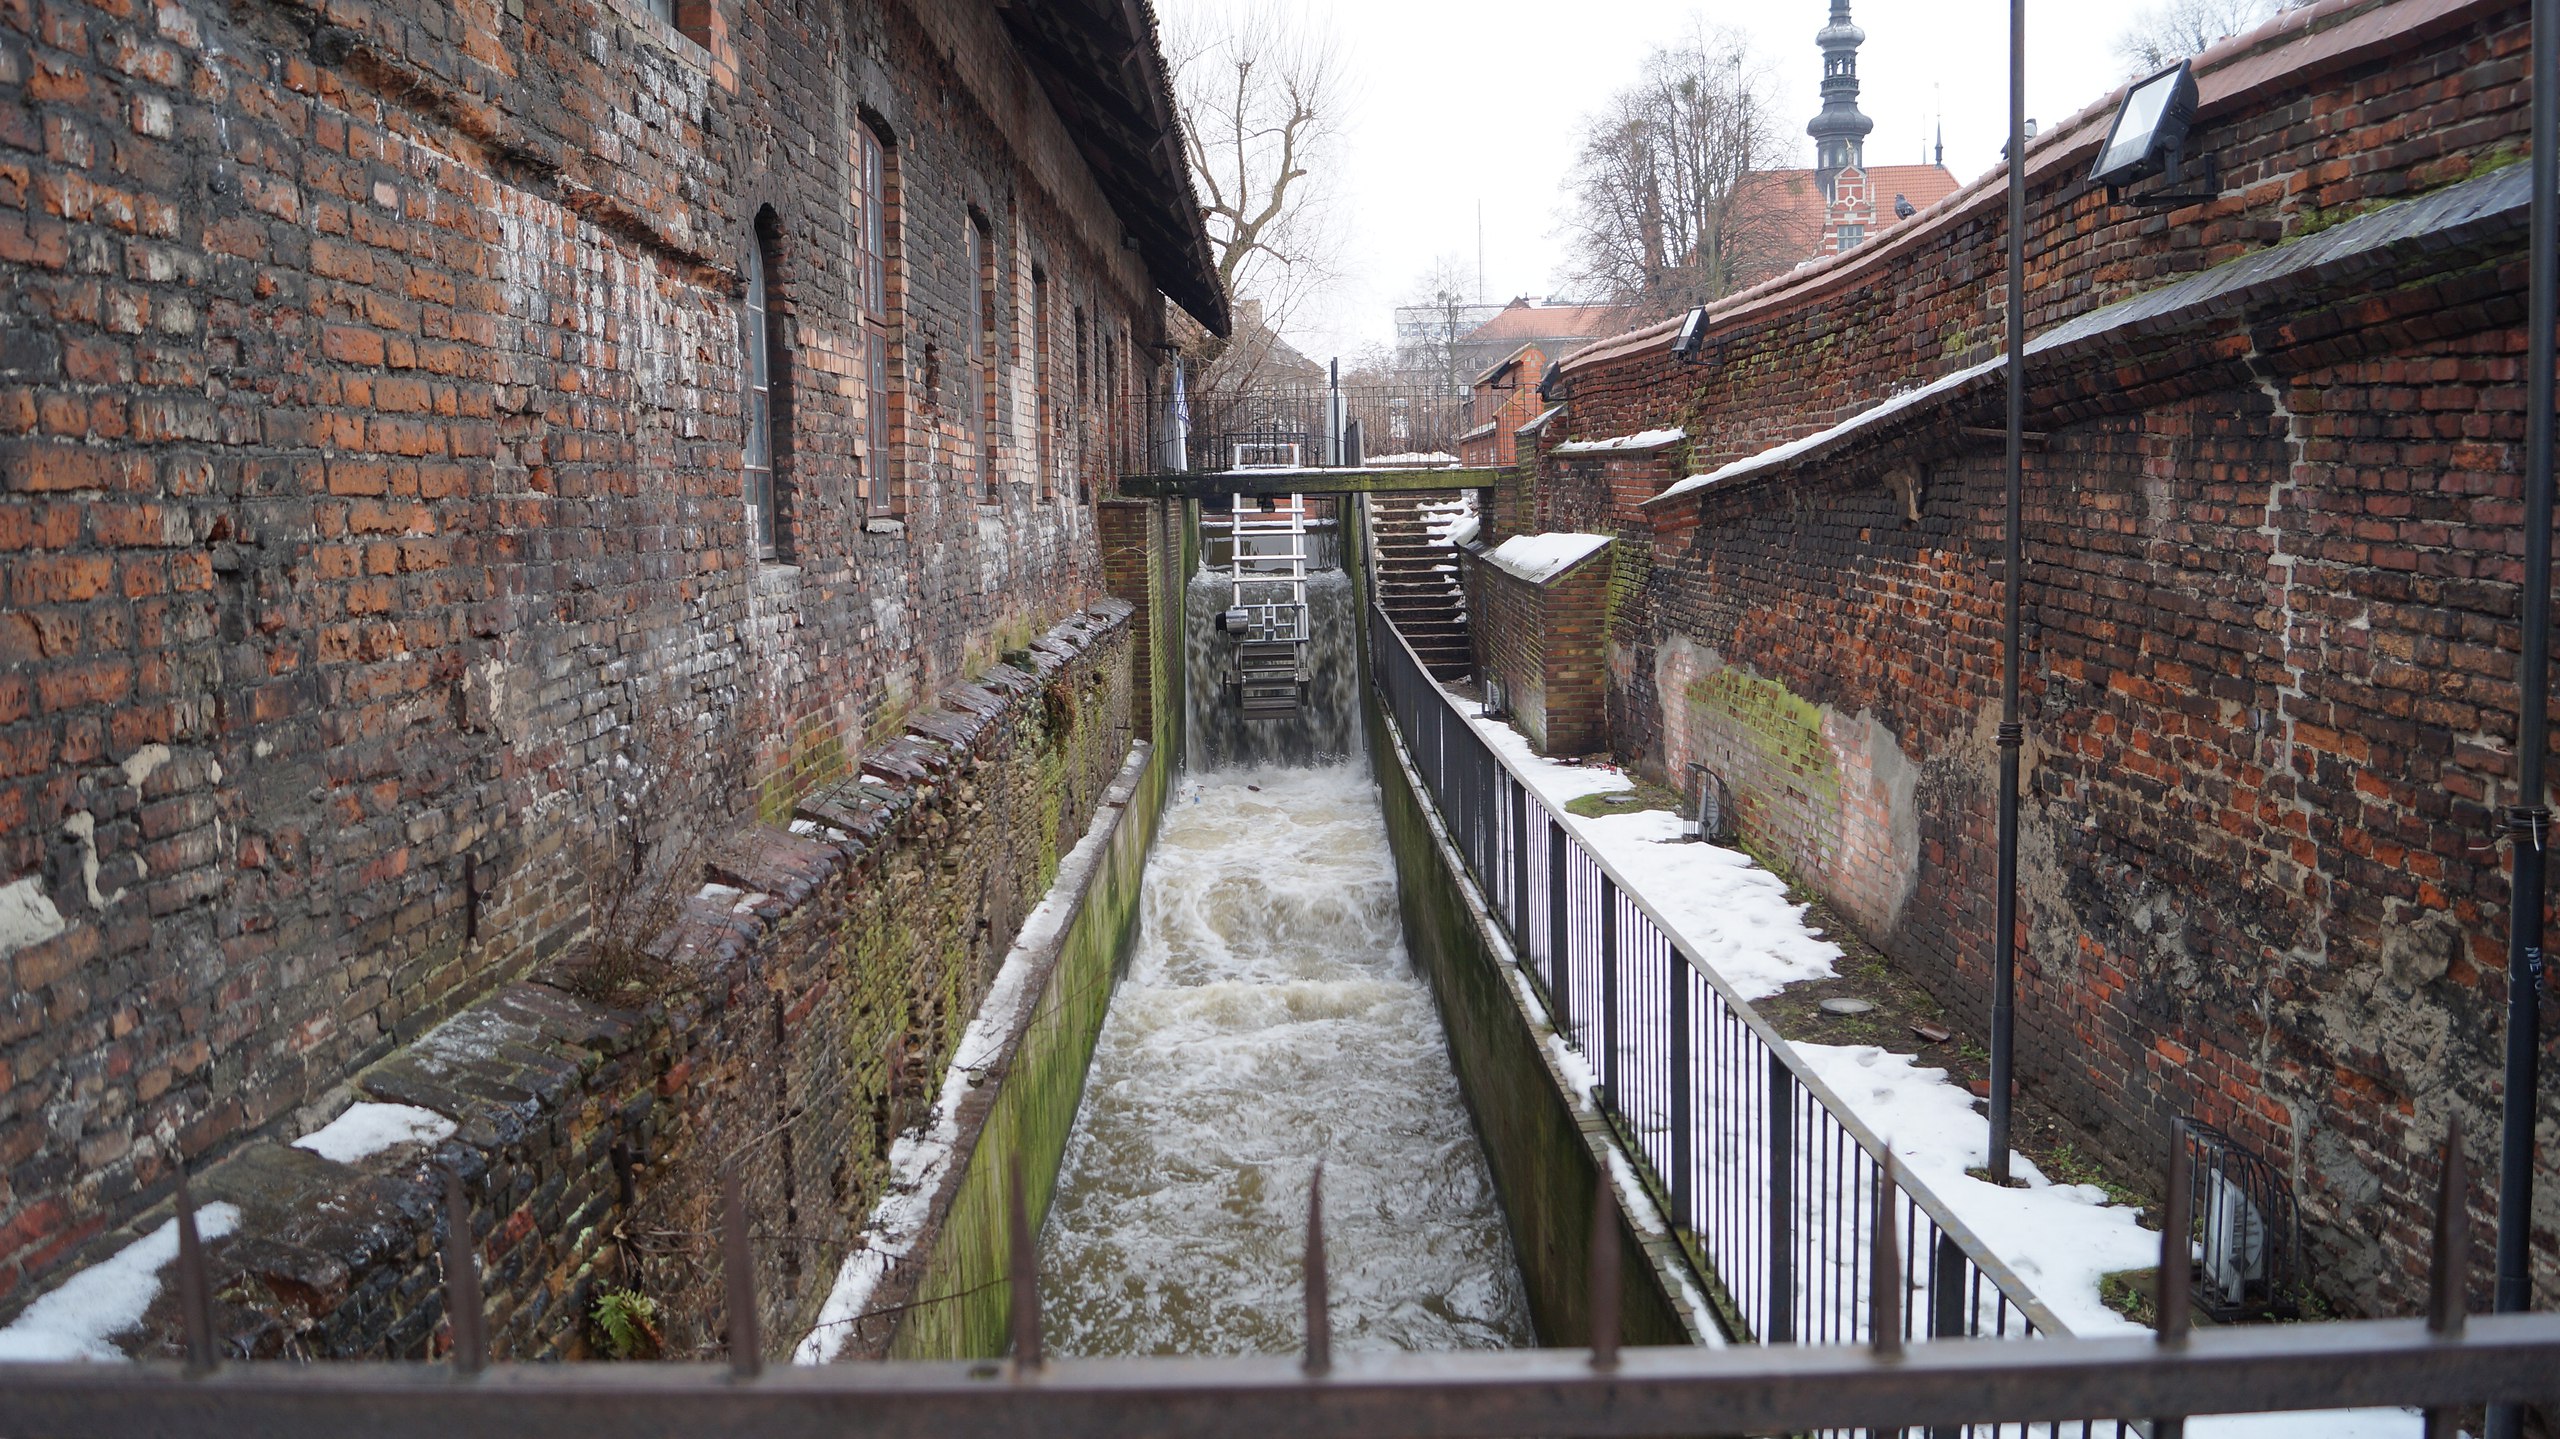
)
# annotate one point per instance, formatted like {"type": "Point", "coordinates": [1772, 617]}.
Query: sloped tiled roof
{"type": "Point", "coordinates": [1796, 208]}
{"type": "Point", "coordinates": [1522, 321]}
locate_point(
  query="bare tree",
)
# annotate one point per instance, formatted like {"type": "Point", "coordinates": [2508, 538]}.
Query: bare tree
{"type": "Point", "coordinates": [1261, 95]}
{"type": "Point", "coordinates": [1662, 218]}
{"type": "Point", "coordinates": [2169, 32]}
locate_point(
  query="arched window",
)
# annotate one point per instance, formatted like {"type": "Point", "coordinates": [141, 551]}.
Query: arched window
{"type": "Point", "coordinates": [764, 362]}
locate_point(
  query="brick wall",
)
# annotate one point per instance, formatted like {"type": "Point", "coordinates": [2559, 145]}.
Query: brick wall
{"type": "Point", "coordinates": [802, 1018]}
{"type": "Point", "coordinates": [2270, 619]}
{"type": "Point", "coordinates": [1543, 643]}
{"type": "Point", "coordinates": [370, 427]}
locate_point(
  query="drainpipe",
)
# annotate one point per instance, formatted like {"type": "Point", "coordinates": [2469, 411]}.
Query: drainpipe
{"type": "Point", "coordinates": [2012, 733]}
{"type": "Point", "coordinates": [2528, 819]}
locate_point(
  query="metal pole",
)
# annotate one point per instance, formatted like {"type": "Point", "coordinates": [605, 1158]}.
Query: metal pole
{"type": "Point", "coordinates": [2528, 819]}
{"type": "Point", "coordinates": [2012, 734]}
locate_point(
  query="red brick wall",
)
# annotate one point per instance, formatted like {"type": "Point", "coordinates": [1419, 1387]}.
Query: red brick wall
{"type": "Point", "coordinates": [2270, 625]}
{"type": "Point", "coordinates": [369, 444]}
{"type": "Point", "coordinates": [1543, 643]}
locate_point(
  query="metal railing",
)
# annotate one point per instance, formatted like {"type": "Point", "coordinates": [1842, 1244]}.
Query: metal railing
{"type": "Point", "coordinates": [1263, 424]}
{"type": "Point", "coordinates": [1765, 1171]}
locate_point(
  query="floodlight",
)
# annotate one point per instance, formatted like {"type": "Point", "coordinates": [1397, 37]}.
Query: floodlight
{"type": "Point", "coordinates": [2150, 130]}
{"type": "Point", "coordinates": [1547, 381]}
{"type": "Point", "coordinates": [1693, 335]}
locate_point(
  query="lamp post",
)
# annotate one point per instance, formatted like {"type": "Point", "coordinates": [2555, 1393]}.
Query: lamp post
{"type": "Point", "coordinates": [2527, 819]}
{"type": "Point", "coordinates": [2012, 733]}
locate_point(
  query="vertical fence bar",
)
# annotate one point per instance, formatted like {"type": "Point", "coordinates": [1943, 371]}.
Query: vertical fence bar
{"type": "Point", "coordinates": [1681, 1139]}
{"type": "Point", "coordinates": [1781, 1328]}
{"type": "Point", "coordinates": [1609, 993]}
{"type": "Point", "coordinates": [1520, 866]}
{"type": "Point", "coordinates": [1559, 927]}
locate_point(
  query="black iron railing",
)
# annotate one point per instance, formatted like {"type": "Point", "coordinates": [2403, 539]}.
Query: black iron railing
{"type": "Point", "coordinates": [1288, 424]}
{"type": "Point", "coordinates": [1759, 1164]}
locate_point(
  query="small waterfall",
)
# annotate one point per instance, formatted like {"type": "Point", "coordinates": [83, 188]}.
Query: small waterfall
{"type": "Point", "coordinates": [1270, 1018]}
{"type": "Point", "coordinates": [1324, 730]}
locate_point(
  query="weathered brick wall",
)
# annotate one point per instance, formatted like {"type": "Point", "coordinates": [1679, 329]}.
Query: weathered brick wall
{"type": "Point", "coordinates": [804, 1016]}
{"type": "Point", "coordinates": [2271, 600]}
{"type": "Point", "coordinates": [369, 474]}
{"type": "Point", "coordinates": [1544, 644]}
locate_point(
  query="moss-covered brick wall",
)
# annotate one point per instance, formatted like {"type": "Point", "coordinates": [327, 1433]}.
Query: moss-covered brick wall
{"type": "Point", "coordinates": [793, 1020]}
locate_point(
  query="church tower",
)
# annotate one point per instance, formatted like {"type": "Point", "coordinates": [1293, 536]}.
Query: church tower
{"type": "Point", "coordinates": [1840, 131]}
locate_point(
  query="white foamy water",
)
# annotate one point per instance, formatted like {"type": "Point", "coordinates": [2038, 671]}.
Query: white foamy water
{"type": "Point", "coordinates": [1271, 1016]}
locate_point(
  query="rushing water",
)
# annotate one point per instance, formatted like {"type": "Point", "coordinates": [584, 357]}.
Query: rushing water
{"type": "Point", "coordinates": [1325, 730]}
{"type": "Point", "coordinates": [1271, 1016]}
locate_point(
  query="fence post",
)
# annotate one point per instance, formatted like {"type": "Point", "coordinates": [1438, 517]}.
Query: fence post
{"type": "Point", "coordinates": [1520, 865]}
{"type": "Point", "coordinates": [1782, 1201]}
{"type": "Point", "coordinates": [1681, 1139]}
{"type": "Point", "coordinates": [1946, 1305]}
{"type": "Point", "coordinates": [1609, 991]}
{"type": "Point", "coordinates": [1559, 928]}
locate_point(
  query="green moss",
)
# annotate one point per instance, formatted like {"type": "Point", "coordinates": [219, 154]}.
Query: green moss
{"type": "Point", "coordinates": [963, 1306]}
{"type": "Point", "coordinates": [1785, 731]}
{"type": "Point", "coordinates": [1629, 566]}
{"type": "Point", "coordinates": [1625, 801]}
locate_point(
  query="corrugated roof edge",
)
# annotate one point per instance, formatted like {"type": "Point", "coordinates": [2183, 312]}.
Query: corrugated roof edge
{"type": "Point", "coordinates": [2328, 35]}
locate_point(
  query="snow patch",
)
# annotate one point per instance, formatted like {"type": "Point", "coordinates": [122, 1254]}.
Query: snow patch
{"type": "Point", "coordinates": [139, 765]}
{"type": "Point", "coordinates": [1412, 459]}
{"type": "Point", "coordinates": [1540, 558]}
{"type": "Point", "coordinates": [1640, 440]}
{"type": "Point", "coordinates": [27, 915]}
{"type": "Point", "coordinates": [368, 1129]}
{"type": "Point", "coordinates": [76, 1321]}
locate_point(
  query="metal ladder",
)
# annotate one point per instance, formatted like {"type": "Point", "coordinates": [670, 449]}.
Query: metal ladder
{"type": "Point", "coordinates": [1267, 578]}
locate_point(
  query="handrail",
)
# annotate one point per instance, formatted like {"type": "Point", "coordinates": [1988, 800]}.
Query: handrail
{"type": "Point", "coordinates": [2039, 1315]}
{"type": "Point", "coordinates": [2002, 1389]}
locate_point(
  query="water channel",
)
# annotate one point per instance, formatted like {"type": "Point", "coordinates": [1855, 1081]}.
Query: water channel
{"type": "Point", "coordinates": [1270, 1016]}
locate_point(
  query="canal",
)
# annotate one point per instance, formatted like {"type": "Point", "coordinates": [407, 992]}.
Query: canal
{"type": "Point", "coordinates": [1270, 1017]}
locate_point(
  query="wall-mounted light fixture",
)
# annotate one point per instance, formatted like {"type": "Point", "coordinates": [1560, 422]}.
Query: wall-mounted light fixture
{"type": "Point", "coordinates": [1692, 337]}
{"type": "Point", "coordinates": [2149, 137]}
{"type": "Point", "coordinates": [1547, 381]}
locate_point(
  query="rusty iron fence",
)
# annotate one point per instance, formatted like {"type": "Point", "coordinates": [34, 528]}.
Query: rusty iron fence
{"type": "Point", "coordinates": [2443, 1363]}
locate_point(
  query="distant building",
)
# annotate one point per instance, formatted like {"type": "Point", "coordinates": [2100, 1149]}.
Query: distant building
{"type": "Point", "coordinates": [1558, 330]}
{"type": "Point", "coordinates": [1841, 202]}
{"type": "Point", "coordinates": [1502, 399]}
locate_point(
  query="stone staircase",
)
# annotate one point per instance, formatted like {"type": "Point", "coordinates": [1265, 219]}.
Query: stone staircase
{"type": "Point", "coordinates": [1417, 580]}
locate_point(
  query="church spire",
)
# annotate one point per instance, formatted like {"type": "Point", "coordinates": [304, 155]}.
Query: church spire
{"type": "Point", "coordinates": [1840, 131]}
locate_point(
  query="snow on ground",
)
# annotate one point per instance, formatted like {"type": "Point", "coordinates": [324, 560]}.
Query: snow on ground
{"type": "Point", "coordinates": [77, 1320]}
{"type": "Point", "coordinates": [1736, 918]}
{"type": "Point", "coordinates": [366, 1129]}
{"type": "Point", "coordinates": [1732, 914]}
{"type": "Point", "coordinates": [1539, 558]}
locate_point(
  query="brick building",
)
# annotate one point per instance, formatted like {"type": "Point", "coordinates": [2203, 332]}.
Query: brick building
{"type": "Point", "coordinates": [1842, 202]}
{"type": "Point", "coordinates": [2272, 497]}
{"type": "Point", "coordinates": [452, 451]}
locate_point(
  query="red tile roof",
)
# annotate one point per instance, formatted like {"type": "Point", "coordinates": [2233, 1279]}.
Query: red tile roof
{"type": "Point", "coordinates": [1521, 320]}
{"type": "Point", "coordinates": [1796, 206]}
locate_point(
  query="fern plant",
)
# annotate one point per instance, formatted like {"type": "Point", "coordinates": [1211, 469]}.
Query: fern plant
{"type": "Point", "coordinates": [627, 1321]}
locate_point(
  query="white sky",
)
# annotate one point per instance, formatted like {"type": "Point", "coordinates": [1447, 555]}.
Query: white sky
{"type": "Point", "coordinates": [1458, 103]}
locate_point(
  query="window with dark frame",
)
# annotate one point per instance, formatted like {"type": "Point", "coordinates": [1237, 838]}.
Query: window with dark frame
{"type": "Point", "coordinates": [1045, 418]}
{"type": "Point", "coordinates": [756, 361]}
{"type": "Point", "coordinates": [982, 346]}
{"type": "Point", "coordinates": [872, 228]}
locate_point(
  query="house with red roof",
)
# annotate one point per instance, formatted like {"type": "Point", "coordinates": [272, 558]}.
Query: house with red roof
{"type": "Point", "coordinates": [1841, 202]}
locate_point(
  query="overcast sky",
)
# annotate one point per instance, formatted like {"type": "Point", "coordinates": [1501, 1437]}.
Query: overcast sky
{"type": "Point", "coordinates": [1458, 103]}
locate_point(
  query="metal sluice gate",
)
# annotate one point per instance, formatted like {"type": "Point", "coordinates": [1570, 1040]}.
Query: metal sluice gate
{"type": "Point", "coordinates": [1267, 604]}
